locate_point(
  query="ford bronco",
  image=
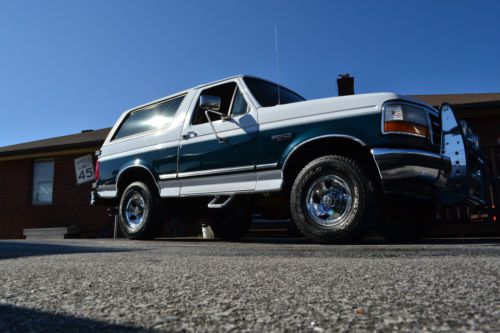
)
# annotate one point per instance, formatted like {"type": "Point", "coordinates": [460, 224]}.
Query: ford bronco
{"type": "Point", "coordinates": [338, 167]}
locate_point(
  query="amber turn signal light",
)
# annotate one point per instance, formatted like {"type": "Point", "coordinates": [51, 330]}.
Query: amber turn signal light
{"type": "Point", "coordinates": [406, 127]}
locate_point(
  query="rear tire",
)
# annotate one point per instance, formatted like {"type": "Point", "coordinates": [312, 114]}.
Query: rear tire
{"type": "Point", "coordinates": [140, 212]}
{"type": "Point", "coordinates": [332, 200]}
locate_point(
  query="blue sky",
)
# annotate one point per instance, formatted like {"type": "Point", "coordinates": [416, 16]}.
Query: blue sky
{"type": "Point", "coordinates": [70, 65]}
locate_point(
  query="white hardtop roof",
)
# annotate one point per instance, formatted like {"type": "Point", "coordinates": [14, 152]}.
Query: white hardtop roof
{"type": "Point", "coordinates": [222, 80]}
{"type": "Point", "coordinates": [182, 92]}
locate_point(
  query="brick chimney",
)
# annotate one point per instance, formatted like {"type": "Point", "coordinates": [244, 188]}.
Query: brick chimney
{"type": "Point", "coordinates": [345, 84]}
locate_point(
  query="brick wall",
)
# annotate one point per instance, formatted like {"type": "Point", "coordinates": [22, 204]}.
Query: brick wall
{"type": "Point", "coordinates": [70, 201]}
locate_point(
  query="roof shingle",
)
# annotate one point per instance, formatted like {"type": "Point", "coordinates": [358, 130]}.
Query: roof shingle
{"type": "Point", "coordinates": [460, 99]}
{"type": "Point", "coordinates": [79, 140]}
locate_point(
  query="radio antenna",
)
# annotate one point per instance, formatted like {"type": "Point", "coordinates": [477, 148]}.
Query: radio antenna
{"type": "Point", "coordinates": [277, 63]}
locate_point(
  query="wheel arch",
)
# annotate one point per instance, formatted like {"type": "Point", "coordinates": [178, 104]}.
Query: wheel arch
{"type": "Point", "coordinates": [132, 173]}
{"type": "Point", "coordinates": [308, 150]}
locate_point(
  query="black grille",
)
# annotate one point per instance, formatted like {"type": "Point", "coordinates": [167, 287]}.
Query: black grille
{"type": "Point", "coordinates": [436, 128]}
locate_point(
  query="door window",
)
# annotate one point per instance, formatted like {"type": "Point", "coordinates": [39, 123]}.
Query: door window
{"type": "Point", "coordinates": [232, 103]}
{"type": "Point", "coordinates": [266, 93]}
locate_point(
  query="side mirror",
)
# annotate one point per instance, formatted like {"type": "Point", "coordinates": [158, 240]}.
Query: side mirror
{"type": "Point", "coordinates": [211, 104]}
{"type": "Point", "coordinates": [208, 102]}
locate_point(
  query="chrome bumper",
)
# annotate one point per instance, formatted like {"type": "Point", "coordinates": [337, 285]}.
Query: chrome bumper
{"type": "Point", "coordinates": [412, 165]}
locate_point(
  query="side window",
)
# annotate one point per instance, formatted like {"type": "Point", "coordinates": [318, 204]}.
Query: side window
{"type": "Point", "coordinates": [152, 117]}
{"type": "Point", "coordinates": [239, 106]}
{"type": "Point", "coordinates": [43, 182]}
{"type": "Point", "coordinates": [225, 92]}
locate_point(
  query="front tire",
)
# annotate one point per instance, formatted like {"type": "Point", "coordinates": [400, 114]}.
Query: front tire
{"type": "Point", "coordinates": [140, 213]}
{"type": "Point", "coordinates": [332, 200]}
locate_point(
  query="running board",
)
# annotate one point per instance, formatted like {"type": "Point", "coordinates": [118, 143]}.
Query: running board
{"type": "Point", "coordinates": [220, 201]}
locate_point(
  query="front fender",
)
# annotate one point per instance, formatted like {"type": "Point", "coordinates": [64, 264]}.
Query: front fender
{"type": "Point", "coordinates": [309, 138]}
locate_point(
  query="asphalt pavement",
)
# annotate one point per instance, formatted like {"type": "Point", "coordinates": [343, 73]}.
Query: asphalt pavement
{"type": "Point", "coordinates": [255, 286]}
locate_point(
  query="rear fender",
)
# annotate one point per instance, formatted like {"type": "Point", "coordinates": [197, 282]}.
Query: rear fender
{"type": "Point", "coordinates": [135, 166]}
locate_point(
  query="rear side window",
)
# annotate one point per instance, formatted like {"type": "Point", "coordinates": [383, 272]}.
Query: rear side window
{"type": "Point", "coordinates": [150, 118]}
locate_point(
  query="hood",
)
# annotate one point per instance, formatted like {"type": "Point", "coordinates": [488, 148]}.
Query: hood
{"type": "Point", "coordinates": [343, 105]}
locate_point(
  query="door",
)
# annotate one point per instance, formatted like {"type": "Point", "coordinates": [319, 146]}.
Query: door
{"type": "Point", "coordinates": [219, 157]}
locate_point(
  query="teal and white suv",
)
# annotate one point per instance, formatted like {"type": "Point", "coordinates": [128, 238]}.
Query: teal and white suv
{"type": "Point", "coordinates": [241, 146]}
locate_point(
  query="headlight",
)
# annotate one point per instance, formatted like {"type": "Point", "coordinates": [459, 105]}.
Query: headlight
{"type": "Point", "coordinates": [405, 119]}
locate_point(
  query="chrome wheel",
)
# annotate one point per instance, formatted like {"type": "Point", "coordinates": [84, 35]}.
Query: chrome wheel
{"type": "Point", "coordinates": [134, 211]}
{"type": "Point", "coordinates": [329, 200]}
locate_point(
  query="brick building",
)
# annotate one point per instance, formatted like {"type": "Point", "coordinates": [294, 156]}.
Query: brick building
{"type": "Point", "coordinates": [38, 186]}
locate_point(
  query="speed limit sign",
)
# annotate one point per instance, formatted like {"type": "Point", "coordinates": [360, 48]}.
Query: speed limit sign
{"type": "Point", "coordinates": [84, 168]}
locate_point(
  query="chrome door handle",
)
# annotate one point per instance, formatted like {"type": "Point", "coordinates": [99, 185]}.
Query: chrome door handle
{"type": "Point", "coordinates": [189, 135]}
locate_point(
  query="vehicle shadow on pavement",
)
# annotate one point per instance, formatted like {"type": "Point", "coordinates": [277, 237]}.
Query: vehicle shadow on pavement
{"type": "Point", "coordinates": [17, 319]}
{"type": "Point", "coordinates": [18, 249]}
{"type": "Point", "coordinates": [363, 241]}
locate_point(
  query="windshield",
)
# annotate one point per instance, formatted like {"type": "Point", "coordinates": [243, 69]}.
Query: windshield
{"type": "Point", "coordinates": [266, 93]}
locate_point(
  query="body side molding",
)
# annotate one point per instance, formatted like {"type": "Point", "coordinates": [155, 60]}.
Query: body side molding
{"type": "Point", "coordinates": [266, 166]}
{"type": "Point", "coordinates": [215, 171]}
{"type": "Point", "coordinates": [218, 171]}
{"type": "Point", "coordinates": [236, 183]}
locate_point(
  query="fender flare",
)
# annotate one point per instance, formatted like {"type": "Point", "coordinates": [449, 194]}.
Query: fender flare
{"type": "Point", "coordinates": [320, 137]}
{"type": "Point", "coordinates": [136, 164]}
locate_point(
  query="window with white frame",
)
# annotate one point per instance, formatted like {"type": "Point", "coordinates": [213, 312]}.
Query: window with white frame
{"type": "Point", "coordinates": [43, 182]}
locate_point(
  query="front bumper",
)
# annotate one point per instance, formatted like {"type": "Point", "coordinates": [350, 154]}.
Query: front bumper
{"type": "Point", "coordinates": [412, 172]}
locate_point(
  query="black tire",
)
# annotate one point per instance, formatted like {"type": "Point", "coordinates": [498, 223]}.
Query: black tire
{"type": "Point", "coordinates": [153, 216]}
{"type": "Point", "coordinates": [233, 222]}
{"type": "Point", "coordinates": [404, 220]}
{"type": "Point", "coordinates": [346, 176]}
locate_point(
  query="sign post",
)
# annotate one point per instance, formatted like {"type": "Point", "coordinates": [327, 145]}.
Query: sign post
{"type": "Point", "coordinates": [84, 169]}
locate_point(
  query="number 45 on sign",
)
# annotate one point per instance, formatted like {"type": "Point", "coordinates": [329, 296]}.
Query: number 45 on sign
{"type": "Point", "coordinates": [84, 168]}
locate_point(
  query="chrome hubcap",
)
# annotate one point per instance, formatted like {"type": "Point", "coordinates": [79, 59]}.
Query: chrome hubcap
{"type": "Point", "coordinates": [329, 200]}
{"type": "Point", "coordinates": [134, 211]}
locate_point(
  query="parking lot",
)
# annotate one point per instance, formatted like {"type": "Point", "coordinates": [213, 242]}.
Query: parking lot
{"type": "Point", "coordinates": [257, 285]}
